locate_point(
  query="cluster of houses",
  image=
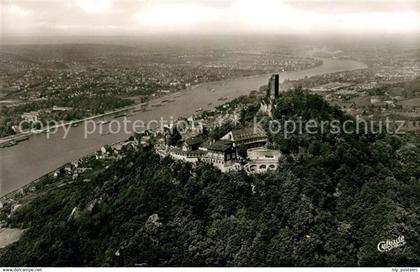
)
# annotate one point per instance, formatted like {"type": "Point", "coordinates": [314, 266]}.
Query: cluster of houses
{"type": "Point", "coordinates": [72, 169]}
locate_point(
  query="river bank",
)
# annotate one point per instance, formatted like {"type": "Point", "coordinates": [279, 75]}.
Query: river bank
{"type": "Point", "coordinates": [24, 135]}
{"type": "Point", "coordinates": [37, 156]}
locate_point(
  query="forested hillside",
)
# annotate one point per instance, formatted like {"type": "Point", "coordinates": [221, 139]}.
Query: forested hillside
{"type": "Point", "coordinates": [334, 198]}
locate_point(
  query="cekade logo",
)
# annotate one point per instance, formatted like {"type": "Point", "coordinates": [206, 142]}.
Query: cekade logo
{"type": "Point", "coordinates": [384, 246]}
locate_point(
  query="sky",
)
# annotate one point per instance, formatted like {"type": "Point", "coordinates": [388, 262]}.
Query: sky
{"type": "Point", "coordinates": [125, 17]}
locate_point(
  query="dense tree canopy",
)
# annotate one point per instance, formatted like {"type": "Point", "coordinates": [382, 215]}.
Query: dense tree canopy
{"type": "Point", "coordinates": [332, 200]}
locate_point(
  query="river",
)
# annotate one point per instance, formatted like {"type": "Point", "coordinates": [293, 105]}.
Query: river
{"type": "Point", "coordinates": [29, 160]}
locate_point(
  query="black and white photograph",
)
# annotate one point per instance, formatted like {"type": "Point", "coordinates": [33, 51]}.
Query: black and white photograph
{"type": "Point", "coordinates": [201, 134]}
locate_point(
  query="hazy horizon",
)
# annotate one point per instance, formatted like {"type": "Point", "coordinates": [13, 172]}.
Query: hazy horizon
{"type": "Point", "coordinates": [209, 17]}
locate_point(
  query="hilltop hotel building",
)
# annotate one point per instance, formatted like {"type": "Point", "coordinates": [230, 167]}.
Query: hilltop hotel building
{"type": "Point", "coordinates": [222, 153]}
